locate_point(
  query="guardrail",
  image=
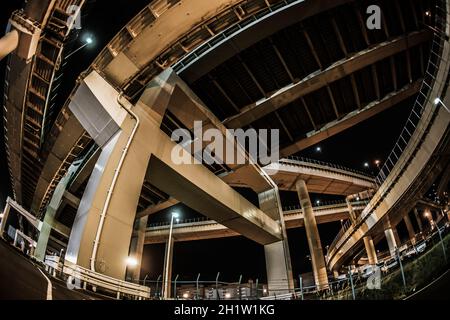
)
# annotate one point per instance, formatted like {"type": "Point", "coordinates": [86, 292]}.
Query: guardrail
{"type": "Point", "coordinates": [325, 164]}
{"type": "Point", "coordinates": [321, 206]}
{"type": "Point", "coordinates": [96, 279]}
{"type": "Point", "coordinates": [422, 99]}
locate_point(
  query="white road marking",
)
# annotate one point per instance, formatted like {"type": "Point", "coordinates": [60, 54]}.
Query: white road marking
{"type": "Point", "coordinates": [49, 286]}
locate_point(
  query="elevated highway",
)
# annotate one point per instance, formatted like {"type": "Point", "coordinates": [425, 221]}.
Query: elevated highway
{"type": "Point", "coordinates": [207, 229]}
{"type": "Point", "coordinates": [308, 79]}
{"type": "Point", "coordinates": [420, 155]}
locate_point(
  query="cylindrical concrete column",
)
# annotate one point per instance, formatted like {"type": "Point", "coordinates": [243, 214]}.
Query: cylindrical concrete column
{"type": "Point", "coordinates": [278, 259]}
{"type": "Point", "coordinates": [419, 220]}
{"type": "Point", "coordinates": [312, 233]}
{"type": "Point", "coordinates": [370, 249]}
{"type": "Point", "coordinates": [9, 43]}
{"type": "Point", "coordinates": [390, 237]}
{"type": "Point", "coordinates": [398, 241]}
{"type": "Point", "coordinates": [409, 226]}
{"type": "Point", "coordinates": [350, 210]}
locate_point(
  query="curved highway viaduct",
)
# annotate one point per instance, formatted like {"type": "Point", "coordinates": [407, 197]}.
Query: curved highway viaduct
{"type": "Point", "coordinates": [148, 82]}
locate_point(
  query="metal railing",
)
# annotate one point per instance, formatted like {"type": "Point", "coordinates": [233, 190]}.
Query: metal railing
{"type": "Point", "coordinates": [322, 206]}
{"type": "Point", "coordinates": [397, 159]}
{"type": "Point", "coordinates": [325, 164]}
{"type": "Point", "coordinates": [95, 279]}
{"type": "Point", "coordinates": [423, 96]}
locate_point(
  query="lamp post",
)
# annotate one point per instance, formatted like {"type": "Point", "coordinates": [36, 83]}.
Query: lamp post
{"type": "Point", "coordinates": [438, 101]}
{"type": "Point", "coordinates": [168, 259]}
{"type": "Point", "coordinates": [89, 40]}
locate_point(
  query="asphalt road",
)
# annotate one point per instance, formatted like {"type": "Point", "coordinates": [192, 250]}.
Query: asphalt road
{"type": "Point", "coordinates": [21, 279]}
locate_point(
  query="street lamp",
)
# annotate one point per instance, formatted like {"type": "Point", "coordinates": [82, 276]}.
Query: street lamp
{"type": "Point", "coordinates": [131, 262]}
{"type": "Point", "coordinates": [168, 258]}
{"type": "Point", "coordinates": [377, 163]}
{"type": "Point", "coordinates": [438, 101]}
{"type": "Point", "coordinates": [87, 41]}
{"type": "Point", "coordinates": [319, 149]}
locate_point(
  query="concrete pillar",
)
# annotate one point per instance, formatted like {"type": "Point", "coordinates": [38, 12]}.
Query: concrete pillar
{"type": "Point", "coordinates": [390, 237]}
{"type": "Point", "coordinates": [6, 212]}
{"type": "Point", "coordinates": [9, 43]}
{"type": "Point", "coordinates": [350, 209]}
{"type": "Point", "coordinates": [409, 226]}
{"type": "Point", "coordinates": [135, 150]}
{"type": "Point", "coordinates": [418, 219]}
{"type": "Point", "coordinates": [370, 249]}
{"type": "Point", "coordinates": [112, 192]}
{"type": "Point", "coordinates": [278, 259]}
{"type": "Point", "coordinates": [398, 241]}
{"type": "Point", "coordinates": [49, 218]}
{"type": "Point", "coordinates": [312, 233]}
{"type": "Point", "coordinates": [137, 248]}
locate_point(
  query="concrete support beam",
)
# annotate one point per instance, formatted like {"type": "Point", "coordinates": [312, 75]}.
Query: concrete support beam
{"type": "Point", "coordinates": [157, 208]}
{"type": "Point", "coordinates": [392, 243]}
{"type": "Point", "coordinates": [418, 219]}
{"type": "Point", "coordinates": [312, 233]}
{"type": "Point", "coordinates": [351, 119]}
{"type": "Point", "coordinates": [409, 226]}
{"type": "Point", "coordinates": [278, 259]}
{"type": "Point", "coordinates": [321, 79]}
{"type": "Point", "coordinates": [351, 212]}
{"type": "Point", "coordinates": [49, 219]}
{"type": "Point", "coordinates": [134, 149]}
{"type": "Point", "coordinates": [370, 249]}
{"type": "Point", "coordinates": [397, 237]}
{"type": "Point", "coordinates": [9, 43]}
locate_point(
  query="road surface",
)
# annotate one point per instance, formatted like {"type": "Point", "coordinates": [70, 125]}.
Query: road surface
{"type": "Point", "coordinates": [21, 279]}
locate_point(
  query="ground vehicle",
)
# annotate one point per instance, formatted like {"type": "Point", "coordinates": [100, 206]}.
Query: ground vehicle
{"type": "Point", "coordinates": [410, 252]}
{"type": "Point", "coordinates": [368, 270]}
{"type": "Point", "coordinates": [389, 264]}
{"type": "Point", "coordinates": [421, 246]}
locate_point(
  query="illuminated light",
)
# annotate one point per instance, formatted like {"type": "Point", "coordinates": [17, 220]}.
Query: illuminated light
{"type": "Point", "coordinates": [357, 198]}
{"type": "Point", "coordinates": [428, 13]}
{"type": "Point", "coordinates": [377, 162]}
{"type": "Point", "coordinates": [227, 295]}
{"type": "Point", "coordinates": [131, 262]}
{"type": "Point", "coordinates": [366, 164]}
{"type": "Point", "coordinates": [185, 295]}
{"type": "Point", "coordinates": [318, 149]}
{"type": "Point", "coordinates": [176, 215]}
{"type": "Point", "coordinates": [318, 202]}
{"type": "Point", "coordinates": [437, 101]}
{"type": "Point", "coordinates": [89, 40]}
{"type": "Point", "coordinates": [264, 290]}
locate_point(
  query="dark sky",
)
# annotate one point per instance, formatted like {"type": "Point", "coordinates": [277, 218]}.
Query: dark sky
{"type": "Point", "coordinates": [370, 140]}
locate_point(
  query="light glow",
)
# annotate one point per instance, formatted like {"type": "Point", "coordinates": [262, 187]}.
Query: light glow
{"type": "Point", "coordinates": [131, 262]}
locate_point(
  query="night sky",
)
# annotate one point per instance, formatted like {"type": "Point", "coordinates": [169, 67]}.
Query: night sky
{"type": "Point", "coordinates": [366, 142]}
